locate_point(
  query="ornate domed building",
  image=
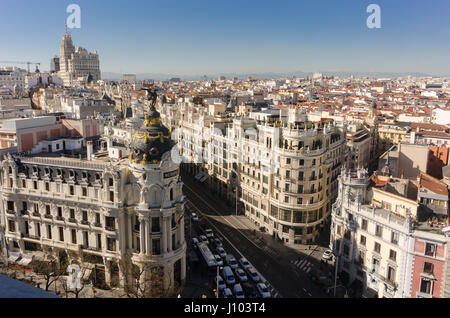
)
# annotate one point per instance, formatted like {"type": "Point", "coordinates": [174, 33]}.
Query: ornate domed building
{"type": "Point", "coordinates": [126, 216]}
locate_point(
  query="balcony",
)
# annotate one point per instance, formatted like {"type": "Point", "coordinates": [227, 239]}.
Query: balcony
{"type": "Point", "coordinates": [36, 214]}
{"type": "Point", "coordinates": [110, 228]}
{"type": "Point", "coordinates": [72, 220]}
{"type": "Point", "coordinates": [97, 224]}
{"type": "Point", "coordinates": [85, 222]}
{"type": "Point", "coordinates": [48, 216]}
{"type": "Point", "coordinates": [24, 212]}
{"type": "Point", "coordinates": [10, 212]}
{"type": "Point", "coordinates": [59, 218]}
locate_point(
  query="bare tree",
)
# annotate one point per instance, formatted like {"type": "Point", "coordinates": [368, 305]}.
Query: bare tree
{"type": "Point", "coordinates": [147, 281]}
{"type": "Point", "coordinates": [76, 291]}
{"type": "Point", "coordinates": [49, 271]}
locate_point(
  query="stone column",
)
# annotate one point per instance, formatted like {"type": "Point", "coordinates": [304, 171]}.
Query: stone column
{"type": "Point", "coordinates": [142, 234]}
{"type": "Point", "coordinates": [181, 230]}
{"type": "Point", "coordinates": [183, 269]}
{"type": "Point", "coordinates": [169, 233]}
{"type": "Point", "coordinates": [107, 271]}
{"type": "Point", "coordinates": [130, 230]}
{"type": "Point", "coordinates": [147, 236]}
{"type": "Point", "coordinates": [164, 234]}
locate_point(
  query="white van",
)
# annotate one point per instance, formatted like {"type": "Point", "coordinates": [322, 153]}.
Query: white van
{"type": "Point", "coordinates": [228, 275]}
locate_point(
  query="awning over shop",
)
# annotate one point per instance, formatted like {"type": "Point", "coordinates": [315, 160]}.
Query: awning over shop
{"type": "Point", "coordinates": [204, 178]}
{"type": "Point", "coordinates": [13, 257]}
{"type": "Point", "coordinates": [25, 260]}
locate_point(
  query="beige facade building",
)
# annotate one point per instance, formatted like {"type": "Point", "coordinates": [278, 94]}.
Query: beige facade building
{"type": "Point", "coordinates": [125, 217]}
{"type": "Point", "coordinates": [77, 65]}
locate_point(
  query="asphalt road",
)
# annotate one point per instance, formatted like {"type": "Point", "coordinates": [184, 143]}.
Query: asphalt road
{"type": "Point", "coordinates": [274, 262]}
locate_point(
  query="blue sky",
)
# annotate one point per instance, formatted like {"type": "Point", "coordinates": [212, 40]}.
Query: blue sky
{"type": "Point", "coordinates": [196, 37]}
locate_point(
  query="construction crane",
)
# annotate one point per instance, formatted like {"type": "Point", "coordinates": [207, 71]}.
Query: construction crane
{"type": "Point", "coordinates": [15, 62]}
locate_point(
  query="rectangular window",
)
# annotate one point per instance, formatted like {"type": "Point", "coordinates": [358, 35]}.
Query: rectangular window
{"type": "Point", "coordinates": [392, 255]}
{"type": "Point", "coordinates": [49, 232]}
{"type": "Point", "coordinates": [394, 238]}
{"type": "Point", "coordinates": [156, 250]}
{"type": "Point", "coordinates": [71, 189]}
{"type": "Point", "coordinates": [61, 234]}
{"type": "Point", "coordinates": [99, 241]}
{"type": "Point", "coordinates": [300, 175]}
{"type": "Point", "coordinates": [391, 274]}
{"type": "Point", "coordinates": [379, 231]}
{"type": "Point", "coordinates": [377, 247]}
{"type": "Point", "coordinates": [11, 226]}
{"type": "Point", "coordinates": [156, 225]}
{"type": "Point", "coordinates": [84, 191]}
{"type": "Point", "coordinates": [425, 286]}
{"type": "Point", "coordinates": [364, 225]}
{"type": "Point", "coordinates": [111, 244]}
{"type": "Point", "coordinates": [74, 236]}
{"type": "Point", "coordinates": [428, 267]}
{"type": "Point", "coordinates": [430, 249]}
{"type": "Point", "coordinates": [363, 240]}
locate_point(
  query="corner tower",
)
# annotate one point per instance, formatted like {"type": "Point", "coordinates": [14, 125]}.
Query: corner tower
{"type": "Point", "coordinates": [158, 228]}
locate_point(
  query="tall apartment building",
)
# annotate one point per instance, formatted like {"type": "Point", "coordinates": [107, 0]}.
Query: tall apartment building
{"type": "Point", "coordinates": [383, 240]}
{"type": "Point", "coordinates": [123, 216]}
{"type": "Point", "coordinates": [285, 173]}
{"type": "Point", "coordinates": [77, 65]}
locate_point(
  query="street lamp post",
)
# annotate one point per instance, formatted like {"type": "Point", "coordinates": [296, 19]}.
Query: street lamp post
{"type": "Point", "coordinates": [336, 263]}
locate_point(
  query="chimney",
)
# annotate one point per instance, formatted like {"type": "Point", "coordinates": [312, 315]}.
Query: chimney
{"type": "Point", "coordinates": [90, 150]}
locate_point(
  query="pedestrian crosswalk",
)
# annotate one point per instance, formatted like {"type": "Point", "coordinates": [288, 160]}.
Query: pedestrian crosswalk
{"type": "Point", "coordinates": [303, 265]}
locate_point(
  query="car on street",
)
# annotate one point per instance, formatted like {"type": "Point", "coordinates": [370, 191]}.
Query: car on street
{"type": "Point", "coordinates": [263, 290]}
{"type": "Point", "coordinates": [203, 239]}
{"type": "Point", "coordinates": [242, 277]}
{"type": "Point", "coordinates": [231, 261]}
{"type": "Point", "coordinates": [253, 274]}
{"type": "Point", "coordinates": [219, 260]}
{"type": "Point", "coordinates": [244, 263]}
{"type": "Point", "coordinates": [249, 290]}
{"type": "Point", "coordinates": [228, 275]}
{"type": "Point", "coordinates": [194, 217]}
{"type": "Point", "coordinates": [238, 291]}
{"type": "Point", "coordinates": [328, 254]}
{"type": "Point", "coordinates": [194, 242]}
{"type": "Point", "coordinates": [218, 243]}
{"type": "Point", "coordinates": [218, 280]}
{"type": "Point", "coordinates": [227, 293]}
{"type": "Point", "coordinates": [221, 252]}
{"type": "Point", "coordinates": [209, 233]}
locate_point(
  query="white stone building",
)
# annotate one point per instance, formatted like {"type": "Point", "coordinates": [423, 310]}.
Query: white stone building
{"type": "Point", "coordinates": [122, 216]}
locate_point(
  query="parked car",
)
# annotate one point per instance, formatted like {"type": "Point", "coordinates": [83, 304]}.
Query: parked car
{"type": "Point", "coordinates": [244, 263]}
{"type": "Point", "coordinates": [238, 291]}
{"type": "Point", "coordinates": [253, 274]}
{"type": "Point", "coordinates": [203, 239]}
{"type": "Point", "coordinates": [249, 290]}
{"type": "Point", "coordinates": [263, 290]}
{"type": "Point", "coordinates": [241, 275]}
{"type": "Point", "coordinates": [221, 252]}
{"type": "Point", "coordinates": [328, 254]}
{"type": "Point", "coordinates": [194, 217]}
{"type": "Point", "coordinates": [217, 242]}
{"type": "Point", "coordinates": [227, 293]}
{"type": "Point", "coordinates": [231, 261]}
{"type": "Point", "coordinates": [209, 233]}
{"type": "Point", "coordinates": [194, 242]}
{"type": "Point", "coordinates": [219, 260]}
{"type": "Point", "coordinates": [218, 280]}
{"type": "Point", "coordinates": [228, 275]}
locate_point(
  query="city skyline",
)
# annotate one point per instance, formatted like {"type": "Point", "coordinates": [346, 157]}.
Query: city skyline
{"type": "Point", "coordinates": [202, 38]}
